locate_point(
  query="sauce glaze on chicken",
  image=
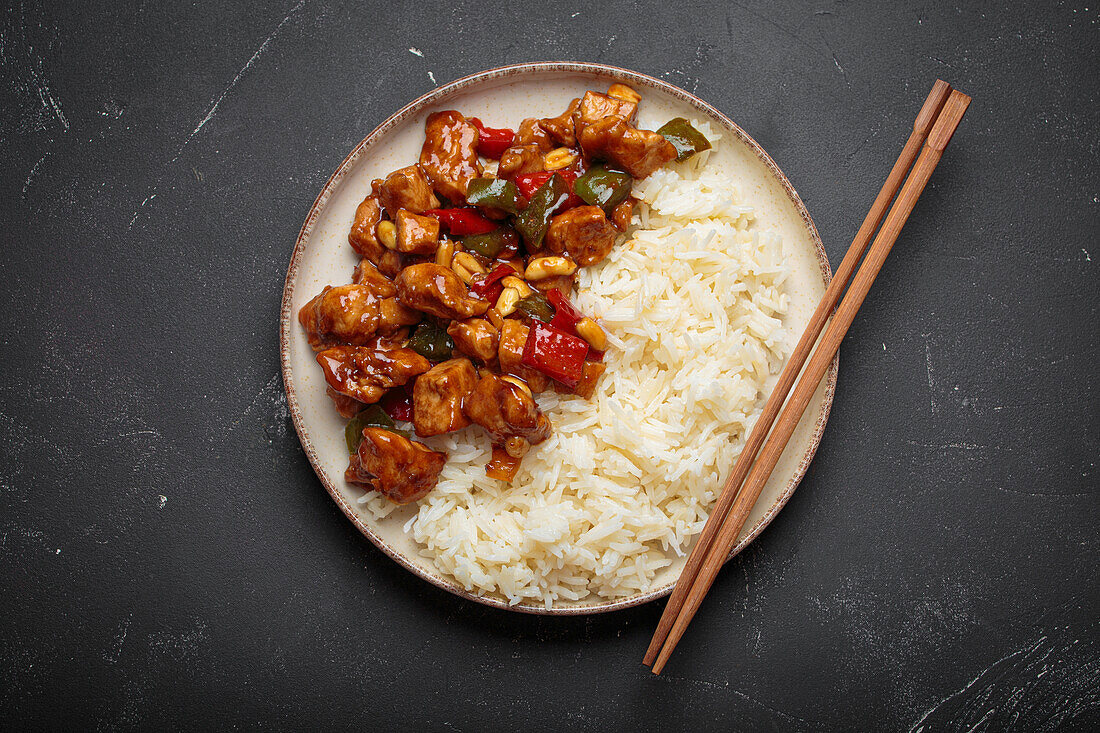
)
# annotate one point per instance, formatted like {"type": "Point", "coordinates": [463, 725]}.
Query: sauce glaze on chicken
{"type": "Point", "coordinates": [459, 310]}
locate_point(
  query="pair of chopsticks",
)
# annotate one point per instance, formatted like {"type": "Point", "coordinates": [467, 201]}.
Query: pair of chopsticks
{"type": "Point", "coordinates": [935, 124]}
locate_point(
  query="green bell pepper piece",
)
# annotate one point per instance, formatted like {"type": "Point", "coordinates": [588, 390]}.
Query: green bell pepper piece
{"type": "Point", "coordinates": [498, 193]}
{"type": "Point", "coordinates": [372, 417]}
{"type": "Point", "coordinates": [601, 187]}
{"type": "Point", "coordinates": [533, 221]}
{"type": "Point", "coordinates": [536, 306]}
{"type": "Point", "coordinates": [491, 244]}
{"type": "Point", "coordinates": [431, 342]}
{"type": "Point", "coordinates": [686, 139]}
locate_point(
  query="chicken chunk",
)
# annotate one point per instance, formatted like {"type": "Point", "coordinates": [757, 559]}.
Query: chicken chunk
{"type": "Point", "coordinates": [638, 152]}
{"type": "Point", "coordinates": [406, 189]}
{"type": "Point", "coordinates": [513, 337]}
{"type": "Point", "coordinates": [475, 337]}
{"type": "Point", "coordinates": [363, 236]}
{"type": "Point", "coordinates": [390, 263]}
{"type": "Point", "coordinates": [520, 159]}
{"type": "Point", "coordinates": [449, 155]}
{"type": "Point", "coordinates": [367, 273]}
{"type": "Point", "coordinates": [531, 133]}
{"type": "Point", "coordinates": [560, 128]}
{"type": "Point", "coordinates": [416, 234]}
{"type": "Point", "coordinates": [396, 316]}
{"type": "Point", "coordinates": [595, 107]}
{"type": "Point", "coordinates": [347, 407]}
{"type": "Point", "coordinates": [623, 213]}
{"type": "Point", "coordinates": [590, 374]}
{"type": "Point", "coordinates": [584, 232]}
{"type": "Point", "coordinates": [438, 396]}
{"type": "Point", "coordinates": [400, 469]}
{"type": "Point", "coordinates": [352, 314]}
{"type": "Point", "coordinates": [364, 373]}
{"type": "Point", "coordinates": [505, 410]}
{"type": "Point", "coordinates": [437, 290]}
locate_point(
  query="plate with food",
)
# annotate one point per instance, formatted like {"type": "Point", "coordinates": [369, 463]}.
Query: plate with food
{"type": "Point", "coordinates": [529, 322]}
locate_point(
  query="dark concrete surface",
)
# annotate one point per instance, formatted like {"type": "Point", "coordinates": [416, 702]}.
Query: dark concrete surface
{"type": "Point", "coordinates": [169, 561]}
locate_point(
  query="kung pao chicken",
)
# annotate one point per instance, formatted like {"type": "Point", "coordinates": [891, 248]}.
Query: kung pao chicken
{"type": "Point", "coordinates": [459, 311]}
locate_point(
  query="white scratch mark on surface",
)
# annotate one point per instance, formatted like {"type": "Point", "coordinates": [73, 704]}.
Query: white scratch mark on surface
{"type": "Point", "coordinates": [34, 170]}
{"type": "Point", "coordinates": [111, 110]}
{"type": "Point", "coordinates": [931, 379]}
{"type": "Point", "coordinates": [179, 646]}
{"type": "Point", "coordinates": [48, 99]}
{"type": "Point", "coordinates": [148, 198]}
{"type": "Point", "coordinates": [263, 396]}
{"type": "Point", "coordinates": [432, 77]}
{"type": "Point", "coordinates": [919, 725]}
{"type": "Point", "coordinates": [135, 433]}
{"type": "Point", "coordinates": [58, 551]}
{"type": "Point", "coordinates": [161, 501]}
{"type": "Point", "coordinates": [841, 70]}
{"type": "Point", "coordinates": [724, 687]}
{"type": "Point", "coordinates": [1087, 258]}
{"type": "Point", "coordinates": [38, 76]}
{"type": "Point", "coordinates": [957, 445]}
{"type": "Point", "coordinates": [416, 51]}
{"type": "Point", "coordinates": [574, 15]}
{"type": "Point", "coordinates": [270, 406]}
{"type": "Point", "coordinates": [244, 69]}
{"type": "Point", "coordinates": [884, 347]}
{"type": "Point", "coordinates": [120, 639]}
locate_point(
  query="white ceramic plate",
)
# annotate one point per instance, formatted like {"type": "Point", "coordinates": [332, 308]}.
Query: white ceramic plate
{"type": "Point", "coordinates": [501, 98]}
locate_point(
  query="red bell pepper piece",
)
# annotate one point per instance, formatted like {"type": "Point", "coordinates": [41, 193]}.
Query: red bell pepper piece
{"type": "Point", "coordinates": [566, 314]}
{"type": "Point", "coordinates": [397, 403]}
{"type": "Point", "coordinates": [555, 353]}
{"type": "Point", "coordinates": [566, 317]}
{"type": "Point", "coordinates": [492, 141]}
{"type": "Point", "coordinates": [528, 183]}
{"type": "Point", "coordinates": [489, 288]}
{"type": "Point", "coordinates": [462, 221]}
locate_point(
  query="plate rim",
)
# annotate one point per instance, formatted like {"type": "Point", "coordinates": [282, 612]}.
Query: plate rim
{"type": "Point", "coordinates": [286, 319]}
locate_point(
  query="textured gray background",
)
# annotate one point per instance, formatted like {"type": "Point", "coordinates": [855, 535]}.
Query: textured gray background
{"type": "Point", "coordinates": [169, 560]}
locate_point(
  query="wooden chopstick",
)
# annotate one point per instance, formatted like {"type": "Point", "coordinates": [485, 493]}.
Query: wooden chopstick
{"type": "Point", "coordinates": [927, 115]}
{"type": "Point", "coordinates": [940, 135]}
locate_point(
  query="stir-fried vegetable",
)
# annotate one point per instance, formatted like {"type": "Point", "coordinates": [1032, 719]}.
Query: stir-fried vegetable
{"type": "Point", "coordinates": [601, 187]}
{"type": "Point", "coordinates": [686, 139]}
{"type": "Point", "coordinates": [491, 244]}
{"type": "Point", "coordinates": [555, 353]}
{"type": "Point", "coordinates": [530, 183]}
{"type": "Point", "coordinates": [492, 141]}
{"type": "Point", "coordinates": [488, 288]}
{"type": "Point", "coordinates": [462, 221]}
{"type": "Point", "coordinates": [372, 417]}
{"type": "Point", "coordinates": [533, 221]}
{"type": "Point", "coordinates": [398, 404]}
{"type": "Point", "coordinates": [431, 342]}
{"type": "Point", "coordinates": [499, 193]}
{"type": "Point", "coordinates": [536, 306]}
{"type": "Point", "coordinates": [566, 314]}
{"type": "Point", "coordinates": [570, 320]}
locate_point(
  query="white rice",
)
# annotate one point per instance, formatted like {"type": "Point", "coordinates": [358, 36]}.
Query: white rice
{"type": "Point", "coordinates": [693, 305]}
